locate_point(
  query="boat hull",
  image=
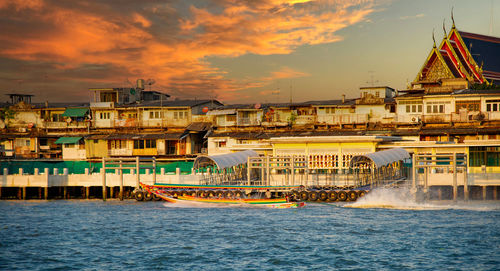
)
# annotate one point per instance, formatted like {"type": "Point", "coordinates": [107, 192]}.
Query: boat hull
{"type": "Point", "coordinates": [280, 203]}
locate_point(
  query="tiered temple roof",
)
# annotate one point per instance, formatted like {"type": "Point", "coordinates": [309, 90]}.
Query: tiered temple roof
{"type": "Point", "coordinates": [461, 59]}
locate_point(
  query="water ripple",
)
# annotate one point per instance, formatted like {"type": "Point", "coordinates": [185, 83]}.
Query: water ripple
{"type": "Point", "coordinates": [114, 235]}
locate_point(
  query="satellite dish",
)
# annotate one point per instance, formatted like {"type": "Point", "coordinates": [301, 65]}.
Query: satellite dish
{"type": "Point", "coordinates": [150, 81]}
{"type": "Point", "coordinates": [257, 106]}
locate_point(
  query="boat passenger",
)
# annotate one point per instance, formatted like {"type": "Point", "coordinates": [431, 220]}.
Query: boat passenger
{"type": "Point", "coordinates": [268, 194]}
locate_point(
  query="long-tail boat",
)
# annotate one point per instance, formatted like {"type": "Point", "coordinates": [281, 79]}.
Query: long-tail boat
{"type": "Point", "coordinates": [270, 203]}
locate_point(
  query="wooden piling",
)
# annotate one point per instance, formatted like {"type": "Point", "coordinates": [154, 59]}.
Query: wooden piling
{"type": "Point", "coordinates": [46, 192]}
{"type": "Point", "coordinates": [87, 192]}
{"type": "Point", "coordinates": [249, 168]}
{"type": "Point", "coordinates": [103, 173]}
{"type": "Point", "coordinates": [466, 187]}
{"type": "Point", "coordinates": [455, 182]}
{"type": "Point", "coordinates": [137, 172]}
{"type": "Point", "coordinates": [121, 181]}
{"type": "Point", "coordinates": [65, 192]}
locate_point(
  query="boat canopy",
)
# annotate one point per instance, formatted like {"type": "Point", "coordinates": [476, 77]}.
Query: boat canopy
{"type": "Point", "coordinates": [381, 158]}
{"type": "Point", "coordinates": [224, 161]}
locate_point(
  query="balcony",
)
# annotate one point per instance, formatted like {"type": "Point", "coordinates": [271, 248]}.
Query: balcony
{"type": "Point", "coordinates": [64, 125]}
{"type": "Point", "coordinates": [248, 122]}
{"type": "Point", "coordinates": [305, 119]}
{"type": "Point", "coordinates": [120, 152]}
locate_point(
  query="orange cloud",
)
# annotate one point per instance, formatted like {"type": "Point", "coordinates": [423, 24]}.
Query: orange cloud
{"type": "Point", "coordinates": [160, 42]}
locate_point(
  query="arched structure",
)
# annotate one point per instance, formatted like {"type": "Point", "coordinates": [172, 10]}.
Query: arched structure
{"type": "Point", "coordinates": [379, 167]}
{"type": "Point", "coordinates": [224, 161]}
{"type": "Point", "coordinates": [381, 158]}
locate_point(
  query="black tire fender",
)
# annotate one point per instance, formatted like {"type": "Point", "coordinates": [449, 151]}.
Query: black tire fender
{"type": "Point", "coordinates": [156, 198]}
{"type": "Point", "coordinates": [313, 196]}
{"type": "Point", "coordinates": [342, 195]}
{"type": "Point", "coordinates": [352, 195]}
{"type": "Point", "coordinates": [148, 196]}
{"type": "Point", "coordinates": [332, 196]}
{"type": "Point", "coordinates": [323, 195]}
{"type": "Point", "coordinates": [139, 196]}
{"type": "Point", "coordinates": [304, 195]}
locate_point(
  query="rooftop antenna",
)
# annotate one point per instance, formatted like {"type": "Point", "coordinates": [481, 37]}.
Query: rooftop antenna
{"type": "Point", "coordinates": [291, 95]}
{"type": "Point", "coordinates": [277, 92]}
{"type": "Point", "coordinates": [372, 80]}
{"type": "Point", "coordinates": [149, 82]}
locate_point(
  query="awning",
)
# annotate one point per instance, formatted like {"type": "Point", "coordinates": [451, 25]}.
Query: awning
{"type": "Point", "coordinates": [75, 112]}
{"type": "Point", "coordinates": [68, 140]}
{"type": "Point", "coordinates": [381, 158]}
{"type": "Point", "coordinates": [221, 112]}
{"type": "Point", "coordinates": [224, 160]}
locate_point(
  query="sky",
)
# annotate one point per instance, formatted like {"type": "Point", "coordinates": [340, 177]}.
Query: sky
{"type": "Point", "coordinates": [235, 51]}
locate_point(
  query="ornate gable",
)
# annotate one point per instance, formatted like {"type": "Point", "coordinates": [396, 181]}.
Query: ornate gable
{"type": "Point", "coordinates": [434, 69]}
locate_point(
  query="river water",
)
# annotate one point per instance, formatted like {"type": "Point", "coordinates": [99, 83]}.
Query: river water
{"type": "Point", "coordinates": [383, 231]}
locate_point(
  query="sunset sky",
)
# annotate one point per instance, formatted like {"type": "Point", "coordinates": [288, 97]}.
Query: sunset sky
{"type": "Point", "coordinates": [235, 51]}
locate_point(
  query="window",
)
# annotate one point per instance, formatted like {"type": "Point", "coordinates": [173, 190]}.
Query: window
{"type": "Point", "coordinates": [436, 107]}
{"type": "Point", "coordinates": [57, 117]}
{"type": "Point", "coordinates": [96, 141]}
{"type": "Point", "coordinates": [155, 114]}
{"type": "Point", "coordinates": [492, 105]}
{"type": "Point", "coordinates": [144, 144]}
{"type": "Point", "coordinates": [180, 115]}
{"type": "Point", "coordinates": [104, 115]}
{"type": "Point", "coordinates": [118, 144]}
{"type": "Point", "coordinates": [412, 106]}
{"type": "Point", "coordinates": [469, 105]}
{"type": "Point", "coordinates": [170, 146]}
{"type": "Point", "coordinates": [230, 117]}
{"type": "Point", "coordinates": [479, 156]}
{"type": "Point", "coordinates": [221, 144]}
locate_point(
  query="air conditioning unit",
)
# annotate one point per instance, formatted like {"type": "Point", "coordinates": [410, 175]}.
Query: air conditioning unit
{"type": "Point", "coordinates": [415, 119]}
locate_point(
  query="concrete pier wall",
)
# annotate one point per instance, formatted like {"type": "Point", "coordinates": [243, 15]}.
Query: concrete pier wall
{"type": "Point", "coordinates": [95, 179]}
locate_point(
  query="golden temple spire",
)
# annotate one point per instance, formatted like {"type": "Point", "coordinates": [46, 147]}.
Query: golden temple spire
{"type": "Point", "coordinates": [444, 29]}
{"type": "Point", "coordinates": [434, 39]}
{"type": "Point", "coordinates": [452, 20]}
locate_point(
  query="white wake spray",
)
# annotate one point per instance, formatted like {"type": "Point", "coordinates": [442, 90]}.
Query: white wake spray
{"type": "Point", "coordinates": [403, 199]}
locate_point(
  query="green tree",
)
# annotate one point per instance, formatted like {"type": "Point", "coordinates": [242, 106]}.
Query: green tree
{"type": "Point", "coordinates": [6, 114]}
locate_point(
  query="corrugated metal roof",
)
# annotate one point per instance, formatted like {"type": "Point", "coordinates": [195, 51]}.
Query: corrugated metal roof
{"type": "Point", "coordinates": [382, 158]}
{"type": "Point", "coordinates": [199, 126]}
{"type": "Point", "coordinates": [224, 160]}
{"type": "Point", "coordinates": [171, 136]}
